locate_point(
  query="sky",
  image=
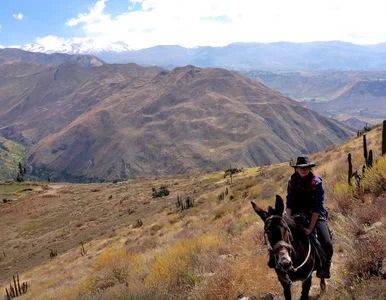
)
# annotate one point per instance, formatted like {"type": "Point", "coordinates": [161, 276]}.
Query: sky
{"type": "Point", "coordinates": [191, 23]}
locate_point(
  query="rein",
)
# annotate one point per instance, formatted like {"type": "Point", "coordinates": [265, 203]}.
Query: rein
{"type": "Point", "coordinates": [290, 248]}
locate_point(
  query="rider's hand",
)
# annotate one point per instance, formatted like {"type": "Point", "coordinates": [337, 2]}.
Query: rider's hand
{"type": "Point", "coordinates": [307, 231]}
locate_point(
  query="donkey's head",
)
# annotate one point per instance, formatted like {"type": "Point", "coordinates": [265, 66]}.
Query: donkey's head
{"type": "Point", "coordinates": [277, 231]}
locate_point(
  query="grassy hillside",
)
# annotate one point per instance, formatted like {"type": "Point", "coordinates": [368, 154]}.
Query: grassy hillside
{"type": "Point", "coordinates": [213, 250]}
{"type": "Point", "coordinates": [11, 154]}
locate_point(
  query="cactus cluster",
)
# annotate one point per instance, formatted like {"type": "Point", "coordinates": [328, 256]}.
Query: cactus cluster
{"type": "Point", "coordinates": [183, 205]}
{"type": "Point", "coordinates": [16, 290]}
{"type": "Point", "coordinates": [222, 195]}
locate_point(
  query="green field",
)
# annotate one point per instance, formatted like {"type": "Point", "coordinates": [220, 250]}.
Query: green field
{"type": "Point", "coordinates": [9, 190]}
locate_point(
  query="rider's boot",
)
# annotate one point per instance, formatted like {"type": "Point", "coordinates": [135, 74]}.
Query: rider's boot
{"type": "Point", "coordinates": [324, 272]}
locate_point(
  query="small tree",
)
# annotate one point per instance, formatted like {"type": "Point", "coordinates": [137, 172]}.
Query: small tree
{"type": "Point", "coordinates": [21, 173]}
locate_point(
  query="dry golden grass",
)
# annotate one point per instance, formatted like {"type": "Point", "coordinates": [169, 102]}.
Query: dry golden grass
{"type": "Point", "coordinates": [214, 250]}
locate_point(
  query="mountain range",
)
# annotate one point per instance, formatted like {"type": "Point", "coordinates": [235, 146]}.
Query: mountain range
{"type": "Point", "coordinates": [259, 56]}
{"type": "Point", "coordinates": [126, 121]}
{"type": "Point", "coordinates": [236, 56]}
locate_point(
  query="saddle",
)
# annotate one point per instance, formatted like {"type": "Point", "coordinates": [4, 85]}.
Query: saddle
{"type": "Point", "coordinates": [301, 221]}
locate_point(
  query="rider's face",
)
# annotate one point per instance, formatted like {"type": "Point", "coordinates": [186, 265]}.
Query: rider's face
{"type": "Point", "coordinates": [303, 171]}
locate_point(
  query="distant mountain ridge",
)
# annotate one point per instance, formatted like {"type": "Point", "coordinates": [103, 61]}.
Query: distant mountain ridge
{"type": "Point", "coordinates": [55, 59]}
{"type": "Point", "coordinates": [236, 56]}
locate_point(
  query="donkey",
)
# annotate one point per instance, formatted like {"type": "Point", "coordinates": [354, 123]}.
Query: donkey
{"type": "Point", "coordinates": [295, 257]}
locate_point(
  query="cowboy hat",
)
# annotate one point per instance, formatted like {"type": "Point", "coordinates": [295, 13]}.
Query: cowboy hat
{"type": "Point", "coordinates": [302, 161]}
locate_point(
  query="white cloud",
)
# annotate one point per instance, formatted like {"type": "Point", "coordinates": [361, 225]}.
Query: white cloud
{"type": "Point", "coordinates": [95, 15]}
{"type": "Point", "coordinates": [18, 16]}
{"type": "Point", "coordinates": [1, 27]}
{"type": "Point", "coordinates": [220, 22]}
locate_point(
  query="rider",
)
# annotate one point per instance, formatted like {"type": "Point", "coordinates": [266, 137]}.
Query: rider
{"type": "Point", "coordinates": [305, 195]}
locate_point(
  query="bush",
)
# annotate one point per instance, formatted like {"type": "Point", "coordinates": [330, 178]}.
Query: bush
{"type": "Point", "coordinates": [228, 172]}
{"type": "Point", "coordinates": [256, 191]}
{"type": "Point", "coordinates": [175, 270]}
{"type": "Point", "coordinates": [366, 254]}
{"type": "Point", "coordinates": [375, 178]}
{"type": "Point", "coordinates": [163, 191]}
{"type": "Point", "coordinates": [224, 210]}
{"type": "Point", "coordinates": [343, 194]}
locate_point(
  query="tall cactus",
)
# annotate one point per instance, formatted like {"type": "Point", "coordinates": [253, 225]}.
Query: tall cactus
{"type": "Point", "coordinates": [349, 168]}
{"type": "Point", "coordinates": [365, 148]}
{"type": "Point", "coordinates": [384, 138]}
{"type": "Point", "coordinates": [370, 159]}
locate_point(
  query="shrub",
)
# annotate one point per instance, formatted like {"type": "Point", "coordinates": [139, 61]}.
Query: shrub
{"type": "Point", "coordinates": [256, 191]}
{"type": "Point", "coordinates": [113, 266]}
{"type": "Point", "coordinates": [375, 177]}
{"type": "Point", "coordinates": [163, 191]}
{"type": "Point", "coordinates": [366, 254]}
{"type": "Point", "coordinates": [343, 194]}
{"type": "Point", "coordinates": [371, 212]}
{"type": "Point", "coordinates": [224, 210]}
{"type": "Point", "coordinates": [175, 270]}
{"type": "Point", "coordinates": [155, 228]}
{"type": "Point", "coordinates": [230, 171]}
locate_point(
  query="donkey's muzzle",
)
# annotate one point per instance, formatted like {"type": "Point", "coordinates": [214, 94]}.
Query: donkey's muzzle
{"type": "Point", "coordinates": [286, 264]}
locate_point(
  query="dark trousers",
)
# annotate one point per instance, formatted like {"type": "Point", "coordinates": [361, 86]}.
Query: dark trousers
{"type": "Point", "coordinates": [324, 237]}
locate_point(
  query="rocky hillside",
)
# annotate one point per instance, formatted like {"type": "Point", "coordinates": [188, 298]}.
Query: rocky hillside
{"type": "Point", "coordinates": [126, 121]}
{"type": "Point", "coordinates": [182, 121]}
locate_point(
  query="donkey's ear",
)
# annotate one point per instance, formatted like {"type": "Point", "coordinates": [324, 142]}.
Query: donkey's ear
{"type": "Point", "coordinates": [279, 205]}
{"type": "Point", "coordinates": [261, 212]}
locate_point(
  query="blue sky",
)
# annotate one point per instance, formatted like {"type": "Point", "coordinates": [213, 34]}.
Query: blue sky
{"type": "Point", "coordinates": [145, 23]}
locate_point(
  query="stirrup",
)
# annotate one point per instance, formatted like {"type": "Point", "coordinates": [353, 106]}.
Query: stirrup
{"type": "Point", "coordinates": [324, 271]}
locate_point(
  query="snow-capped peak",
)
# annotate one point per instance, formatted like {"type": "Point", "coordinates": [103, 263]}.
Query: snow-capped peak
{"type": "Point", "coordinates": [52, 44]}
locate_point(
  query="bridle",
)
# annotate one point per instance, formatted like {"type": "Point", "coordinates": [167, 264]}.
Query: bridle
{"type": "Point", "coordinates": [290, 248]}
{"type": "Point", "coordinates": [282, 243]}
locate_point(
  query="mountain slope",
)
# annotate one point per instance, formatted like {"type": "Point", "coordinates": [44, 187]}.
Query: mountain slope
{"type": "Point", "coordinates": [211, 243]}
{"type": "Point", "coordinates": [366, 99]}
{"type": "Point", "coordinates": [38, 103]}
{"type": "Point", "coordinates": [183, 121]}
{"type": "Point", "coordinates": [11, 54]}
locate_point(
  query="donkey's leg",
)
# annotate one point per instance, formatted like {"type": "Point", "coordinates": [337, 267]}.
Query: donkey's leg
{"type": "Point", "coordinates": [306, 289]}
{"type": "Point", "coordinates": [287, 290]}
{"type": "Point", "coordinates": [322, 284]}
